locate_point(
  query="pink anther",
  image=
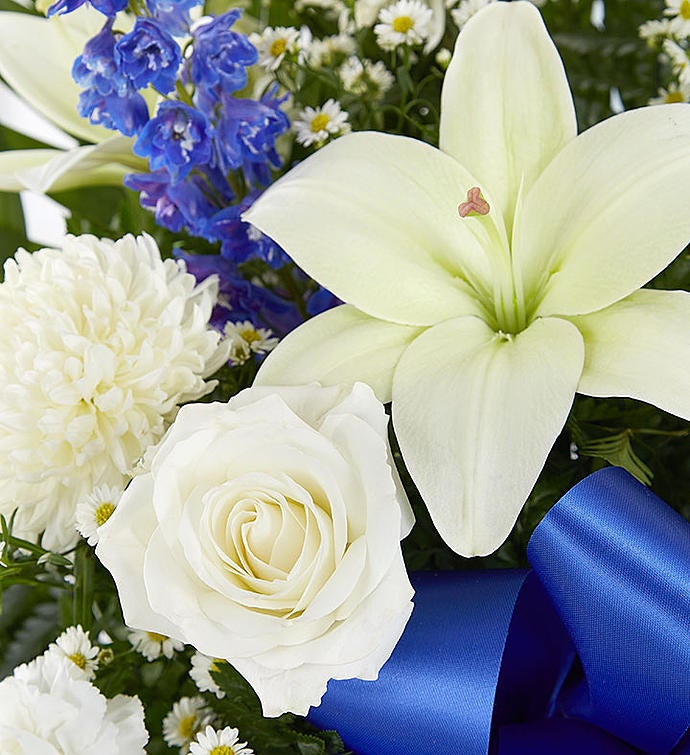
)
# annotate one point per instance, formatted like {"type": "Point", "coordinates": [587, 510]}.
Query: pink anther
{"type": "Point", "coordinates": [475, 204]}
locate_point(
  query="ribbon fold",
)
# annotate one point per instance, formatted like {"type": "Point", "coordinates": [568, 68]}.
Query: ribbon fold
{"type": "Point", "coordinates": [587, 653]}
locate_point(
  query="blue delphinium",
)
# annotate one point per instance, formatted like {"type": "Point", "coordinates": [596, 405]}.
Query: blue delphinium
{"type": "Point", "coordinates": [106, 7]}
{"type": "Point", "coordinates": [177, 138]}
{"type": "Point", "coordinates": [96, 68]}
{"type": "Point", "coordinates": [126, 114]}
{"type": "Point", "coordinates": [173, 15]}
{"type": "Point", "coordinates": [148, 55]}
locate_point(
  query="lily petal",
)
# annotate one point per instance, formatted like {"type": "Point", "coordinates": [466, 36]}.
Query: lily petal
{"type": "Point", "coordinates": [342, 345]}
{"type": "Point", "coordinates": [369, 203]}
{"type": "Point", "coordinates": [640, 348]}
{"type": "Point", "coordinates": [36, 58]}
{"type": "Point", "coordinates": [506, 107]}
{"type": "Point", "coordinates": [476, 415]}
{"type": "Point", "coordinates": [608, 213]}
{"type": "Point", "coordinates": [15, 161]}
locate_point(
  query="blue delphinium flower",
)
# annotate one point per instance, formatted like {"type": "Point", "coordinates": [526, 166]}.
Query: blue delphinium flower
{"type": "Point", "coordinates": [220, 56]}
{"type": "Point", "coordinates": [173, 15]}
{"type": "Point", "coordinates": [149, 55]}
{"type": "Point", "coordinates": [96, 68]}
{"type": "Point", "coordinates": [177, 138]}
{"type": "Point", "coordinates": [246, 132]}
{"type": "Point", "coordinates": [106, 7]}
{"type": "Point", "coordinates": [127, 114]}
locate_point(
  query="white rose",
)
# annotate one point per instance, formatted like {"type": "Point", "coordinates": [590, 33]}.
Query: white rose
{"type": "Point", "coordinates": [267, 532]}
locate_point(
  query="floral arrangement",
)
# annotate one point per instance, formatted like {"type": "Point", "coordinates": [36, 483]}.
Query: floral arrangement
{"type": "Point", "coordinates": [340, 317]}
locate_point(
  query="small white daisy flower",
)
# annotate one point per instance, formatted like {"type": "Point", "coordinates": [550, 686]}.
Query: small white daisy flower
{"type": "Point", "coordinates": [679, 13]}
{"type": "Point", "coordinates": [407, 22]}
{"type": "Point", "coordinates": [362, 76]}
{"type": "Point", "coordinates": [274, 43]}
{"type": "Point", "coordinates": [153, 645]}
{"type": "Point", "coordinates": [674, 93]}
{"type": "Point", "coordinates": [187, 718]}
{"type": "Point", "coordinates": [324, 51]}
{"type": "Point", "coordinates": [223, 742]}
{"type": "Point", "coordinates": [653, 30]}
{"type": "Point", "coordinates": [75, 646]}
{"type": "Point", "coordinates": [95, 510]}
{"type": "Point", "coordinates": [317, 126]}
{"type": "Point", "coordinates": [467, 8]}
{"type": "Point", "coordinates": [246, 340]}
{"type": "Point", "coordinates": [200, 672]}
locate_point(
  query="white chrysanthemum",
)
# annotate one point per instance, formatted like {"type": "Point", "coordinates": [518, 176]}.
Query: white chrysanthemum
{"type": "Point", "coordinates": [95, 510]}
{"type": "Point", "coordinates": [679, 61]}
{"type": "Point", "coordinates": [363, 76]}
{"type": "Point", "coordinates": [678, 11]}
{"type": "Point", "coordinates": [318, 125]}
{"type": "Point", "coordinates": [100, 342]}
{"type": "Point", "coordinates": [44, 709]}
{"type": "Point", "coordinates": [74, 647]}
{"type": "Point", "coordinates": [187, 718]}
{"type": "Point", "coordinates": [274, 43]}
{"type": "Point", "coordinates": [223, 742]}
{"type": "Point", "coordinates": [200, 672]}
{"type": "Point", "coordinates": [324, 51]}
{"type": "Point", "coordinates": [153, 645]}
{"type": "Point", "coordinates": [467, 8]}
{"type": "Point", "coordinates": [407, 22]}
{"type": "Point", "coordinates": [674, 93]}
{"type": "Point", "coordinates": [655, 29]}
{"type": "Point", "coordinates": [246, 340]}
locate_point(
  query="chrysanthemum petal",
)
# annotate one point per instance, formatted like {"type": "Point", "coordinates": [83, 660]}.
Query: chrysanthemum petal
{"type": "Point", "coordinates": [476, 415]}
{"type": "Point", "coordinates": [608, 213]}
{"type": "Point", "coordinates": [342, 345]}
{"type": "Point", "coordinates": [639, 347]}
{"type": "Point", "coordinates": [372, 203]}
{"type": "Point", "coordinates": [506, 108]}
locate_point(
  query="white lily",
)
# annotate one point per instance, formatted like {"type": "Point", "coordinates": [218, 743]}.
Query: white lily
{"type": "Point", "coordinates": [481, 328]}
{"type": "Point", "coordinates": [36, 58]}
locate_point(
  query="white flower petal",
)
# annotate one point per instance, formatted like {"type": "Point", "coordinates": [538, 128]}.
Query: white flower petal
{"type": "Point", "coordinates": [370, 203]}
{"type": "Point", "coordinates": [476, 416]}
{"type": "Point", "coordinates": [506, 108]}
{"type": "Point", "coordinates": [639, 347]}
{"type": "Point", "coordinates": [342, 345]}
{"type": "Point", "coordinates": [608, 213]}
{"type": "Point", "coordinates": [14, 162]}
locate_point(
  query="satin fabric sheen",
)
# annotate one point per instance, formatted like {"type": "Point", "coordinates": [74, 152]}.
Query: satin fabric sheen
{"type": "Point", "coordinates": [589, 652]}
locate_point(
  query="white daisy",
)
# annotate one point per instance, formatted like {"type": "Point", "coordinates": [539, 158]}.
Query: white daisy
{"type": "Point", "coordinates": [153, 645]}
{"type": "Point", "coordinates": [95, 510]}
{"type": "Point", "coordinates": [317, 126]}
{"type": "Point", "coordinates": [674, 93]}
{"type": "Point", "coordinates": [246, 340]}
{"type": "Point", "coordinates": [679, 13]}
{"type": "Point", "coordinates": [324, 51]}
{"type": "Point", "coordinates": [74, 646]}
{"type": "Point", "coordinates": [200, 672]}
{"type": "Point", "coordinates": [273, 44]}
{"type": "Point", "coordinates": [187, 718]}
{"type": "Point", "coordinates": [223, 742]}
{"type": "Point", "coordinates": [407, 22]}
{"type": "Point", "coordinates": [679, 61]}
{"type": "Point", "coordinates": [467, 8]}
{"type": "Point", "coordinates": [362, 76]}
{"type": "Point", "coordinates": [100, 342]}
{"type": "Point", "coordinates": [655, 29]}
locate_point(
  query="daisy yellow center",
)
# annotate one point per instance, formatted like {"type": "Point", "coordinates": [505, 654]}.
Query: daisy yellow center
{"type": "Point", "coordinates": [188, 726]}
{"type": "Point", "coordinates": [278, 47]}
{"type": "Point", "coordinates": [684, 10]}
{"type": "Point", "coordinates": [318, 123]}
{"type": "Point", "coordinates": [402, 24]}
{"type": "Point", "coordinates": [155, 637]}
{"type": "Point", "coordinates": [103, 513]}
{"type": "Point", "coordinates": [222, 750]}
{"type": "Point", "coordinates": [78, 660]}
{"type": "Point", "coordinates": [673, 97]}
{"type": "Point", "coordinates": [250, 336]}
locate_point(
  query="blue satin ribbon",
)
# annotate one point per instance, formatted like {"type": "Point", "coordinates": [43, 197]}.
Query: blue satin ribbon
{"type": "Point", "coordinates": [587, 653]}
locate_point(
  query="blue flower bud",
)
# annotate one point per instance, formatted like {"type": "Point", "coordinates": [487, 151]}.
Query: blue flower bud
{"type": "Point", "coordinates": [126, 114]}
{"type": "Point", "coordinates": [96, 68]}
{"type": "Point", "coordinates": [106, 7]}
{"type": "Point", "coordinates": [173, 15]}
